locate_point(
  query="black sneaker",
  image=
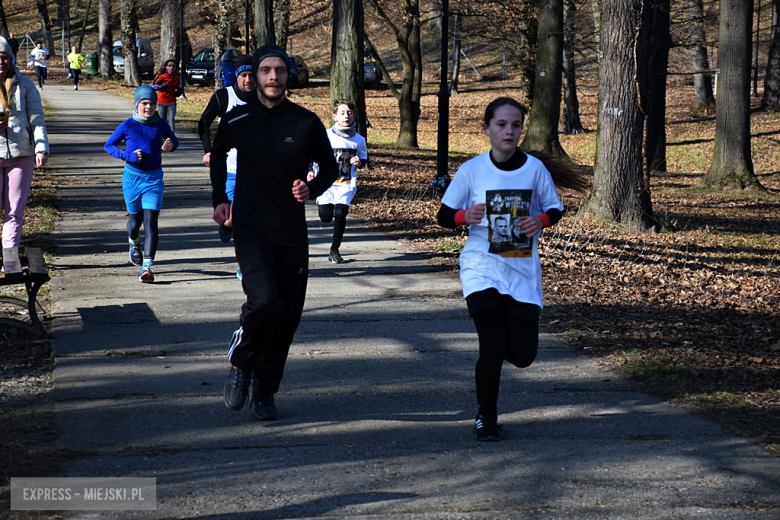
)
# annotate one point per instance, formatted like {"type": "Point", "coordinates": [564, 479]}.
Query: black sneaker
{"type": "Point", "coordinates": [265, 409]}
{"type": "Point", "coordinates": [334, 256]}
{"type": "Point", "coordinates": [225, 233]}
{"type": "Point", "coordinates": [486, 429]}
{"type": "Point", "coordinates": [237, 388]}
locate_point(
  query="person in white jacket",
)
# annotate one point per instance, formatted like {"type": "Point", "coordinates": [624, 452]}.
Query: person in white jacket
{"type": "Point", "coordinates": [24, 145]}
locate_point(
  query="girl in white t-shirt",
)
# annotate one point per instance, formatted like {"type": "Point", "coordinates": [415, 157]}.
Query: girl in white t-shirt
{"type": "Point", "coordinates": [507, 197]}
{"type": "Point", "coordinates": [351, 153]}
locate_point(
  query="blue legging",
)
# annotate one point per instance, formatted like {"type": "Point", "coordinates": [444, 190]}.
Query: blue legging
{"type": "Point", "coordinates": [168, 113]}
{"type": "Point", "coordinates": [149, 220]}
{"type": "Point", "coordinates": [41, 73]}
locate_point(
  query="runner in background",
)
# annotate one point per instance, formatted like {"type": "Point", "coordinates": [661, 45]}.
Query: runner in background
{"type": "Point", "coordinates": [146, 136]}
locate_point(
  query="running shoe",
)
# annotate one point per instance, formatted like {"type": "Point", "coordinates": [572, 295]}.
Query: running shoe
{"type": "Point", "coordinates": [147, 274]}
{"type": "Point", "coordinates": [238, 274]}
{"type": "Point", "coordinates": [265, 409]}
{"type": "Point", "coordinates": [334, 256]}
{"type": "Point", "coordinates": [136, 255]}
{"type": "Point", "coordinates": [237, 388]}
{"type": "Point", "coordinates": [486, 429]}
{"type": "Point", "coordinates": [225, 233]}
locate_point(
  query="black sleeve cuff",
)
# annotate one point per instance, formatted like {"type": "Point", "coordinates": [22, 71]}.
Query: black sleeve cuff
{"type": "Point", "coordinates": [446, 217]}
{"type": "Point", "coordinates": [555, 215]}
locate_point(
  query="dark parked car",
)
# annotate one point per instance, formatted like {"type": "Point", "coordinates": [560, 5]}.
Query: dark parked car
{"type": "Point", "coordinates": [201, 68]}
{"type": "Point", "coordinates": [299, 72]}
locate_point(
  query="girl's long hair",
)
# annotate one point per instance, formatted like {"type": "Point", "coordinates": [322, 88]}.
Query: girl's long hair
{"type": "Point", "coordinates": [164, 68]}
{"type": "Point", "coordinates": [6, 90]}
{"type": "Point", "coordinates": [563, 173]}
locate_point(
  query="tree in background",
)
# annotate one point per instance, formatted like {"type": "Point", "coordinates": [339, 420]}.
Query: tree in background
{"type": "Point", "coordinates": [732, 164]}
{"type": "Point", "coordinates": [222, 16]}
{"type": "Point", "coordinates": [43, 14]}
{"type": "Point", "coordinates": [508, 25]}
{"type": "Point", "coordinates": [106, 42]}
{"type": "Point", "coordinates": [407, 36]}
{"type": "Point", "coordinates": [264, 22]}
{"type": "Point", "coordinates": [346, 58]}
{"type": "Point", "coordinates": [655, 108]}
{"type": "Point", "coordinates": [595, 7]}
{"type": "Point", "coordinates": [702, 80]}
{"type": "Point", "coordinates": [282, 22]}
{"type": "Point", "coordinates": [129, 45]}
{"type": "Point", "coordinates": [771, 100]}
{"type": "Point", "coordinates": [571, 105]}
{"type": "Point", "coordinates": [542, 128]}
{"type": "Point", "coordinates": [3, 22]}
{"type": "Point", "coordinates": [621, 190]}
{"type": "Point", "coordinates": [169, 31]}
{"type": "Point", "coordinates": [455, 75]}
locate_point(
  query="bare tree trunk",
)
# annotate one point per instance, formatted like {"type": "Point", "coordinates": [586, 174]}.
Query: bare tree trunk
{"type": "Point", "coordinates": [571, 105]}
{"type": "Point", "coordinates": [596, 8]}
{"type": "Point", "coordinates": [282, 23]}
{"type": "Point", "coordinates": [732, 164]}
{"type": "Point", "coordinates": [655, 109]}
{"type": "Point", "coordinates": [771, 100]}
{"type": "Point", "coordinates": [169, 31]}
{"type": "Point", "coordinates": [43, 13]}
{"type": "Point", "coordinates": [3, 21]}
{"type": "Point", "coordinates": [415, 50]}
{"type": "Point", "coordinates": [106, 43]}
{"type": "Point", "coordinates": [620, 190]}
{"type": "Point", "coordinates": [264, 22]}
{"type": "Point", "coordinates": [408, 39]}
{"type": "Point", "coordinates": [702, 81]}
{"type": "Point", "coordinates": [221, 36]}
{"type": "Point", "coordinates": [129, 46]}
{"type": "Point", "coordinates": [455, 66]}
{"type": "Point", "coordinates": [542, 128]}
{"type": "Point", "coordinates": [434, 16]}
{"type": "Point", "coordinates": [346, 58]}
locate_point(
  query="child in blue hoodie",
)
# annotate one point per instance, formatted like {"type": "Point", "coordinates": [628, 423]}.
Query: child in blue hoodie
{"type": "Point", "coordinates": [146, 136]}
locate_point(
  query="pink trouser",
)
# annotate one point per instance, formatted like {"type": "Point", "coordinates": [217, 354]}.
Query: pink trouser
{"type": "Point", "coordinates": [15, 183]}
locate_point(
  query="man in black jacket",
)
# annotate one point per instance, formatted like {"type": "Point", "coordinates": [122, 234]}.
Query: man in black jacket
{"type": "Point", "coordinates": [223, 101]}
{"type": "Point", "coordinates": [14, 43]}
{"type": "Point", "coordinates": [276, 140]}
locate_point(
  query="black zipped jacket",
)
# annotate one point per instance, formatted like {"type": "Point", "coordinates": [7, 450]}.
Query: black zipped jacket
{"type": "Point", "coordinates": [275, 147]}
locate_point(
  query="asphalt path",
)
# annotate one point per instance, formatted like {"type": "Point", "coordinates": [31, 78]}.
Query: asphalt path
{"type": "Point", "coordinates": [377, 404]}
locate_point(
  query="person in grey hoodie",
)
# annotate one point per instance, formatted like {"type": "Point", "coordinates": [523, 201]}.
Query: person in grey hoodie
{"type": "Point", "coordinates": [24, 146]}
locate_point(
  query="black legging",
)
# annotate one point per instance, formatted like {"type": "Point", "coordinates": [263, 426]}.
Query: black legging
{"type": "Point", "coordinates": [149, 220]}
{"type": "Point", "coordinates": [507, 330]}
{"type": "Point", "coordinates": [337, 213]}
{"type": "Point", "coordinates": [75, 74]}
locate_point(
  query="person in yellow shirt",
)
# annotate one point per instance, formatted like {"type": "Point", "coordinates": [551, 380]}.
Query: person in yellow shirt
{"type": "Point", "coordinates": [75, 60]}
